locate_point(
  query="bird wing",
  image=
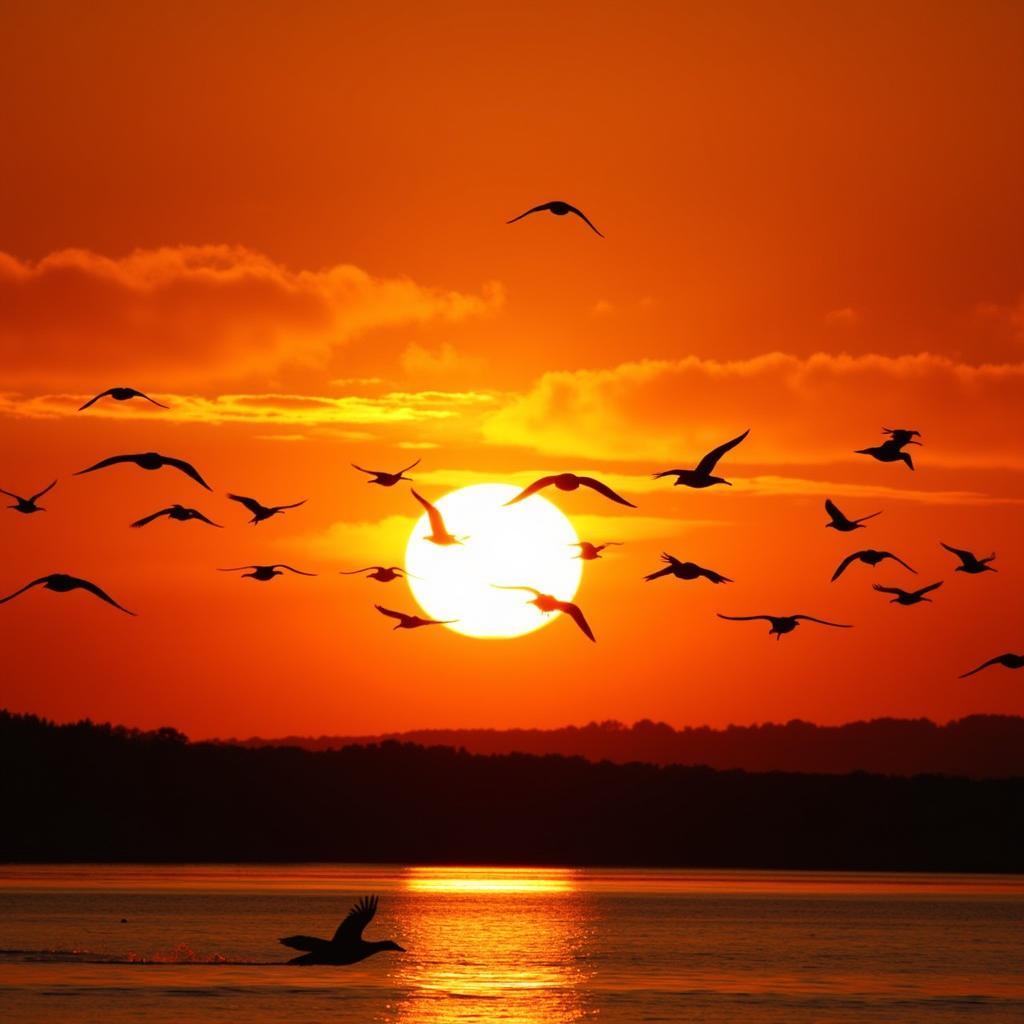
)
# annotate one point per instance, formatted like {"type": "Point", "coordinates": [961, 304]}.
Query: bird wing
{"type": "Point", "coordinates": [715, 577]}
{"type": "Point", "coordinates": [95, 398]}
{"type": "Point", "coordinates": [11, 494]}
{"type": "Point", "coordinates": [533, 209]}
{"type": "Point", "coordinates": [250, 503]}
{"type": "Point", "coordinates": [28, 586]}
{"type": "Point", "coordinates": [586, 219]}
{"type": "Point", "coordinates": [843, 564]}
{"type": "Point", "coordinates": [707, 464]}
{"type": "Point", "coordinates": [294, 504]}
{"type": "Point", "coordinates": [368, 472]}
{"type": "Point", "coordinates": [537, 485]}
{"type": "Point", "coordinates": [896, 558]}
{"type": "Point", "coordinates": [745, 618]}
{"type": "Point", "coordinates": [199, 515]}
{"type": "Point", "coordinates": [298, 572]}
{"type": "Point", "coordinates": [602, 488]}
{"type": "Point", "coordinates": [304, 942]}
{"type": "Point", "coordinates": [188, 469]}
{"type": "Point", "coordinates": [823, 622]}
{"type": "Point", "coordinates": [435, 517]}
{"type": "Point", "coordinates": [407, 468]}
{"type": "Point", "coordinates": [864, 519]}
{"type": "Point", "coordinates": [101, 594]}
{"type": "Point", "coordinates": [991, 661]}
{"type": "Point", "coordinates": [356, 572]}
{"type": "Point", "coordinates": [142, 394]}
{"type": "Point", "coordinates": [667, 571]}
{"type": "Point", "coordinates": [964, 556]}
{"type": "Point", "coordinates": [889, 590]}
{"type": "Point", "coordinates": [114, 460]}
{"type": "Point", "coordinates": [532, 590]}
{"type": "Point", "coordinates": [145, 520]}
{"type": "Point", "coordinates": [669, 472]}
{"type": "Point", "coordinates": [239, 568]}
{"type": "Point", "coordinates": [35, 497]}
{"type": "Point", "coordinates": [833, 511]}
{"type": "Point", "coordinates": [390, 614]}
{"type": "Point", "coordinates": [576, 614]}
{"type": "Point", "coordinates": [351, 929]}
{"type": "Point", "coordinates": [930, 588]}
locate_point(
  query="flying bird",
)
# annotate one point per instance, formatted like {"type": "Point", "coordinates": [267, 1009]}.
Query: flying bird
{"type": "Point", "coordinates": [1006, 660]}
{"type": "Point", "coordinates": [150, 461]}
{"type": "Point", "coordinates": [569, 482]}
{"type": "Point", "coordinates": [869, 557]}
{"type": "Point", "coordinates": [782, 623]}
{"type": "Point", "coordinates": [120, 395]}
{"type": "Point", "coordinates": [179, 513]}
{"type": "Point", "coordinates": [840, 522]}
{"type": "Point", "coordinates": [386, 479]}
{"type": "Point", "coordinates": [348, 945]}
{"type": "Point", "coordinates": [901, 436]}
{"type": "Point", "coordinates": [969, 563]}
{"type": "Point", "coordinates": [264, 573]}
{"type": "Point", "coordinates": [589, 551]}
{"type": "Point", "coordinates": [888, 451]}
{"type": "Point", "coordinates": [559, 209]}
{"type": "Point", "coordinates": [28, 505]}
{"type": "Point", "coordinates": [411, 621]}
{"type": "Point", "coordinates": [380, 573]}
{"type": "Point", "coordinates": [261, 512]}
{"type": "Point", "coordinates": [702, 476]}
{"type": "Point", "coordinates": [686, 571]}
{"type": "Point", "coordinates": [61, 583]}
{"type": "Point", "coordinates": [908, 597]}
{"type": "Point", "coordinates": [547, 604]}
{"type": "Point", "coordinates": [438, 531]}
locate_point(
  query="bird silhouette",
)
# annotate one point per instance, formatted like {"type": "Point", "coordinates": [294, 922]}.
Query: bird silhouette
{"type": "Point", "coordinates": [969, 563]}
{"type": "Point", "coordinates": [348, 945]}
{"type": "Point", "coordinates": [61, 583]}
{"type": "Point", "coordinates": [840, 522]}
{"type": "Point", "coordinates": [908, 597]}
{"type": "Point", "coordinates": [782, 624]}
{"type": "Point", "coordinates": [547, 604]}
{"type": "Point", "coordinates": [179, 513]}
{"type": "Point", "coordinates": [386, 479]}
{"type": "Point", "coordinates": [28, 505]}
{"type": "Point", "coordinates": [590, 551]}
{"type": "Point", "coordinates": [261, 512]}
{"type": "Point", "coordinates": [559, 209]}
{"type": "Point", "coordinates": [702, 476]}
{"type": "Point", "coordinates": [380, 573]}
{"type": "Point", "coordinates": [686, 571]}
{"type": "Point", "coordinates": [569, 482]}
{"type": "Point", "coordinates": [265, 573]}
{"type": "Point", "coordinates": [411, 621]}
{"type": "Point", "coordinates": [888, 451]}
{"type": "Point", "coordinates": [1006, 660]}
{"type": "Point", "coordinates": [438, 531]}
{"type": "Point", "coordinates": [120, 395]}
{"type": "Point", "coordinates": [901, 436]}
{"type": "Point", "coordinates": [150, 461]}
{"type": "Point", "coordinates": [869, 557]}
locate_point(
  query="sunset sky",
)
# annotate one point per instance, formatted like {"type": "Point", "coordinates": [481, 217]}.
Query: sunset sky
{"type": "Point", "coordinates": [288, 223]}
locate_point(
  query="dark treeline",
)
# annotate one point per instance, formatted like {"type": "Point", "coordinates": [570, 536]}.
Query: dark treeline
{"type": "Point", "coordinates": [87, 792]}
{"type": "Point", "coordinates": [980, 746]}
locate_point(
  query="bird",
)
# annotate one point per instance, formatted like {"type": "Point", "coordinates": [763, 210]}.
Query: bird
{"type": "Point", "coordinates": [1006, 660]}
{"type": "Point", "coordinates": [380, 573]}
{"type": "Point", "coordinates": [559, 209]}
{"type": "Point", "coordinates": [61, 583]}
{"type": "Point", "coordinates": [348, 945]}
{"type": "Point", "coordinates": [908, 597]}
{"type": "Point", "coordinates": [888, 451]}
{"type": "Point", "coordinates": [702, 476]}
{"type": "Point", "coordinates": [28, 505]}
{"type": "Point", "coordinates": [869, 557]}
{"type": "Point", "coordinates": [782, 623]}
{"type": "Point", "coordinates": [179, 513]}
{"type": "Point", "coordinates": [569, 482]}
{"type": "Point", "coordinates": [150, 461]}
{"type": "Point", "coordinates": [261, 512]}
{"type": "Point", "coordinates": [686, 571]}
{"type": "Point", "coordinates": [265, 573]}
{"type": "Point", "coordinates": [383, 478]}
{"type": "Point", "coordinates": [547, 604]}
{"type": "Point", "coordinates": [589, 551]}
{"type": "Point", "coordinates": [969, 563]}
{"type": "Point", "coordinates": [411, 621]}
{"type": "Point", "coordinates": [901, 436]}
{"type": "Point", "coordinates": [840, 522]}
{"type": "Point", "coordinates": [438, 531]}
{"type": "Point", "coordinates": [120, 395]}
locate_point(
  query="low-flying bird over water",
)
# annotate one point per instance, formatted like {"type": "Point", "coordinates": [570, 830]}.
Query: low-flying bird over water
{"type": "Point", "coordinates": [908, 597]}
{"type": "Point", "coordinates": [869, 557]}
{"type": "Point", "coordinates": [261, 512]}
{"type": "Point", "coordinates": [120, 395]}
{"type": "Point", "coordinates": [179, 513]}
{"type": "Point", "coordinates": [386, 479]}
{"type": "Point", "coordinates": [569, 482]}
{"type": "Point", "coordinates": [150, 461]}
{"type": "Point", "coordinates": [546, 603]}
{"type": "Point", "coordinates": [28, 505]}
{"type": "Point", "coordinates": [438, 531]}
{"type": "Point", "coordinates": [265, 573]}
{"type": "Point", "coordinates": [969, 563]}
{"type": "Point", "coordinates": [888, 451]}
{"type": "Point", "coordinates": [380, 573]}
{"type": "Point", "coordinates": [901, 436]}
{"type": "Point", "coordinates": [61, 583]}
{"type": "Point", "coordinates": [348, 945]}
{"type": "Point", "coordinates": [1006, 660]}
{"type": "Point", "coordinates": [559, 209]}
{"type": "Point", "coordinates": [590, 551]}
{"type": "Point", "coordinates": [782, 623]}
{"type": "Point", "coordinates": [840, 522]}
{"type": "Point", "coordinates": [702, 476]}
{"type": "Point", "coordinates": [686, 570]}
{"type": "Point", "coordinates": [411, 621]}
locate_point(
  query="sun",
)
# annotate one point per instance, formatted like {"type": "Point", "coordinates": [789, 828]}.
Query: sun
{"type": "Point", "coordinates": [527, 544]}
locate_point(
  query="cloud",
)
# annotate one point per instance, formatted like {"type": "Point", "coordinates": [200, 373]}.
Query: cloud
{"type": "Point", "coordinates": [194, 313]}
{"type": "Point", "coordinates": [800, 487]}
{"type": "Point", "coordinates": [382, 542]}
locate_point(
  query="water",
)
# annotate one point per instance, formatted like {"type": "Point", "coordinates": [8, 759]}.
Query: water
{"type": "Point", "coordinates": [524, 946]}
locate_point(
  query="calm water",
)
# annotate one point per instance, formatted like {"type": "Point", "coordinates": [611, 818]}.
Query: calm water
{"type": "Point", "coordinates": [530, 946]}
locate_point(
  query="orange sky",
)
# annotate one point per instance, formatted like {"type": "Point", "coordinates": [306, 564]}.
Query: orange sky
{"type": "Point", "coordinates": [288, 222]}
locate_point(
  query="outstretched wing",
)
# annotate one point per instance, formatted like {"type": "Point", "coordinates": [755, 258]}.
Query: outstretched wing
{"type": "Point", "coordinates": [744, 618]}
{"type": "Point", "coordinates": [239, 568]}
{"type": "Point", "coordinates": [250, 503]}
{"type": "Point", "coordinates": [95, 398]}
{"type": "Point", "coordinates": [196, 514]}
{"type": "Point", "coordinates": [11, 494]}
{"type": "Point", "coordinates": [537, 485]}
{"type": "Point", "coordinates": [390, 614]}
{"type": "Point", "coordinates": [833, 511]}
{"type": "Point", "coordinates": [891, 590]}
{"type": "Point", "coordinates": [188, 469]}
{"type": "Point", "coordinates": [146, 520]}
{"type": "Point", "coordinates": [896, 558]}
{"type": "Point", "coordinates": [351, 929]}
{"type": "Point", "coordinates": [304, 942]}
{"type": "Point", "coordinates": [575, 613]}
{"type": "Point", "coordinates": [28, 586]}
{"type": "Point", "coordinates": [368, 472]}
{"type": "Point", "coordinates": [601, 488]}
{"type": "Point", "coordinates": [436, 520]}
{"type": "Point", "coordinates": [46, 490]}
{"type": "Point", "coordinates": [707, 464]}
{"type": "Point", "coordinates": [843, 564]}
{"type": "Point", "coordinates": [586, 219]}
{"type": "Point", "coordinates": [295, 504]}
{"type": "Point", "coordinates": [356, 572]}
{"type": "Point", "coordinates": [715, 577]}
{"type": "Point", "coordinates": [823, 622]}
{"type": "Point", "coordinates": [142, 394]}
{"type": "Point", "coordinates": [533, 209]}
{"type": "Point", "coordinates": [964, 556]}
{"type": "Point", "coordinates": [669, 472]}
{"type": "Point", "coordinates": [407, 468]}
{"type": "Point", "coordinates": [930, 588]}
{"type": "Point", "coordinates": [986, 664]}
{"type": "Point", "coordinates": [498, 586]}
{"type": "Point", "coordinates": [114, 460]}
{"type": "Point", "coordinates": [667, 571]}
{"type": "Point", "coordinates": [101, 594]}
{"type": "Point", "coordinates": [298, 572]}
